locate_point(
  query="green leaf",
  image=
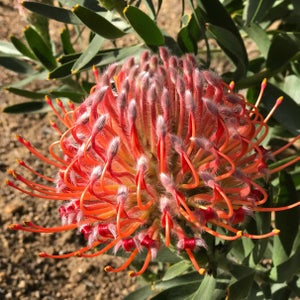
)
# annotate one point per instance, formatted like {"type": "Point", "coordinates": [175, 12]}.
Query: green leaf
{"type": "Point", "coordinates": [55, 13]}
{"type": "Point", "coordinates": [282, 51]}
{"type": "Point", "coordinates": [86, 86]}
{"type": "Point", "coordinates": [190, 34]}
{"type": "Point", "coordinates": [286, 221]}
{"type": "Point", "coordinates": [263, 224]}
{"type": "Point", "coordinates": [103, 58]}
{"type": "Point", "coordinates": [237, 249]}
{"type": "Point", "coordinates": [142, 293]}
{"type": "Point", "coordinates": [217, 15]}
{"type": "Point", "coordinates": [144, 26]}
{"type": "Point", "coordinates": [192, 277]}
{"type": "Point", "coordinates": [287, 113]}
{"type": "Point", "coordinates": [167, 256]}
{"type": "Point", "coordinates": [260, 37]}
{"type": "Point", "coordinates": [240, 271]}
{"type": "Point", "coordinates": [62, 71]}
{"type": "Point", "coordinates": [291, 86]}
{"type": "Point", "coordinates": [220, 23]}
{"type": "Point", "coordinates": [160, 286]}
{"type": "Point", "coordinates": [73, 96]}
{"type": "Point", "coordinates": [151, 8]}
{"type": "Point", "coordinates": [206, 289]}
{"type": "Point", "coordinates": [241, 288]}
{"type": "Point", "coordinates": [232, 46]}
{"type": "Point", "coordinates": [69, 57]}
{"type": "Point", "coordinates": [279, 10]}
{"type": "Point", "coordinates": [22, 47]}
{"type": "Point", "coordinates": [26, 93]}
{"type": "Point", "coordinates": [287, 270]}
{"type": "Point", "coordinates": [7, 48]}
{"type": "Point", "coordinates": [62, 92]}
{"type": "Point", "coordinates": [107, 57]}
{"type": "Point", "coordinates": [177, 292]}
{"type": "Point", "coordinates": [27, 107]}
{"type": "Point", "coordinates": [248, 245]}
{"type": "Point", "coordinates": [66, 41]}
{"type": "Point", "coordinates": [256, 9]}
{"type": "Point", "coordinates": [91, 4]}
{"type": "Point", "coordinates": [88, 54]}
{"type": "Point", "coordinates": [176, 269]}
{"type": "Point", "coordinates": [294, 285]}
{"type": "Point", "coordinates": [97, 23]}
{"type": "Point", "coordinates": [15, 64]}
{"type": "Point", "coordinates": [255, 292]}
{"type": "Point", "coordinates": [283, 293]}
{"type": "Point", "coordinates": [243, 281]}
{"type": "Point", "coordinates": [40, 48]}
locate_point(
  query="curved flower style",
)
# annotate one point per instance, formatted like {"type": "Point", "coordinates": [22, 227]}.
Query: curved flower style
{"type": "Point", "coordinates": [158, 151]}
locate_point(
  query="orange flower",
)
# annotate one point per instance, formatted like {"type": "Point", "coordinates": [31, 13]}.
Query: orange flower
{"type": "Point", "coordinates": [158, 151]}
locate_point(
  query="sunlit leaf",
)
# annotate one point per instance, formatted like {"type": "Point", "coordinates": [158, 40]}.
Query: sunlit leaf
{"type": "Point", "coordinates": [7, 48]}
{"type": "Point", "coordinates": [66, 41]}
{"type": "Point", "coordinates": [182, 291]}
{"type": "Point", "coordinates": [26, 93]}
{"type": "Point", "coordinates": [142, 293]}
{"type": "Point", "coordinates": [52, 12]}
{"type": "Point", "coordinates": [260, 37]}
{"type": "Point", "coordinates": [103, 58]}
{"type": "Point", "coordinates": [20, 46]}
{"type": "Point", "coordinates": [89, 53]}
{"type": "Point", "coordinates": [69, 57]}
{"type": "Point", "coordinates": [144, 26]}
{"type": "Point", "coordinates": [97, 23]}
{"type": "Point", "coordinates": [62, 71]}
{"type": "Point", "coordinates": [14, 64]}
{"type": "Point", "coordinates": [38, 46]}
{"type": "Point", "coordinates": [28, 107]}
{"type": "Point", "coordinates": [91, 4]}
{"type": "Point", "coordinates": [72, 95]}
{"type": "Point", "coordinates": [291, 86]}
{"type": "Point", "coordinates": [176, 269]}
{"type": "Point", "coordinates": [206, 289]}
{"type": "Point", "coordinates": [287, 270]}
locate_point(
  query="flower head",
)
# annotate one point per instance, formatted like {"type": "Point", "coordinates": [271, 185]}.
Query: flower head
{"type": "Point", "coordinates": [158, 151]}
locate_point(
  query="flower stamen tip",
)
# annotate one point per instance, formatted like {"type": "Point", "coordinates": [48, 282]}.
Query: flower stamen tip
{"type": "Point", "coordinates": [279, 100]}
{"type": "Point", "coordinates": [131, 273]}
{"type": "Point", "coordinates": [239, 233]}
{"type": "Point", "coordinates": [43, 254]}
{"type": "Point", "coordinates": [107, 269]}
{"type": "Point", "coordinates": [202, 271]}
{"type": "Point", "coordinates": [14, 226]}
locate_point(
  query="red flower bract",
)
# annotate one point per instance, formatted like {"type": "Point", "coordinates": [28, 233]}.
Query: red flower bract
{"type": "Point", "coordinates": [158, 151]}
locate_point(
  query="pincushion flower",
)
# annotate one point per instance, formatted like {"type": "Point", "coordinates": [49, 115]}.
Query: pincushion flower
{"type": "Point", "coordinates": [157, 153]}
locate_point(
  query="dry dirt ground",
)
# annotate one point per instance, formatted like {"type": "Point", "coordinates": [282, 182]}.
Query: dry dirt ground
{"type": "Point", "coordinates": [23, 275]}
